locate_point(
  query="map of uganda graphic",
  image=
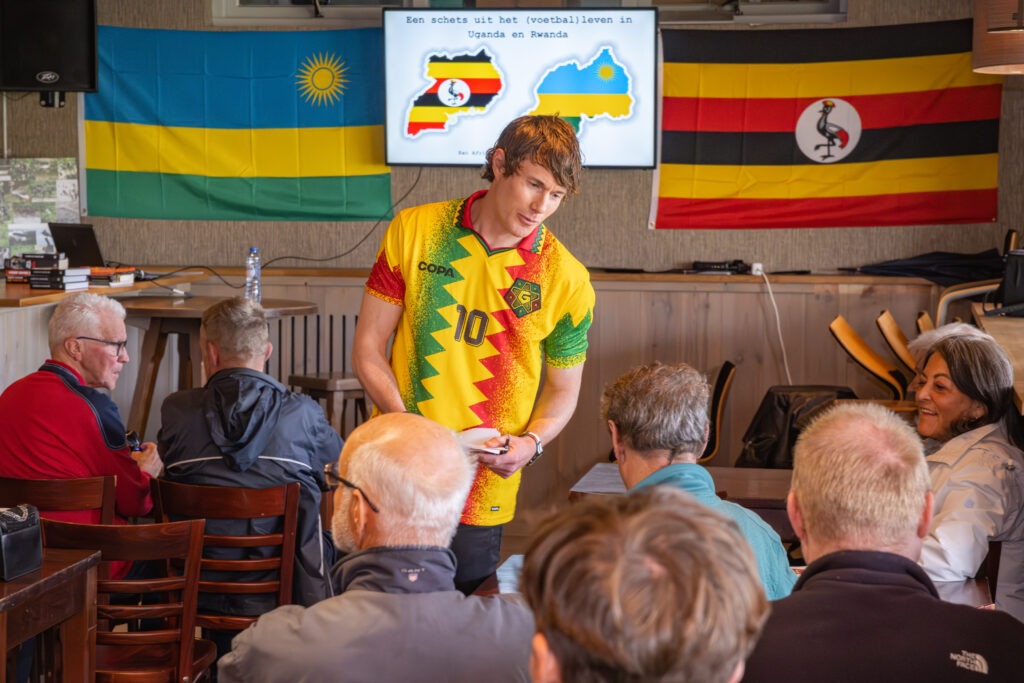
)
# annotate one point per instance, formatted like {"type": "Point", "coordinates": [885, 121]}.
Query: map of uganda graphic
{"type": "Point", "coordinates": [468, 84]}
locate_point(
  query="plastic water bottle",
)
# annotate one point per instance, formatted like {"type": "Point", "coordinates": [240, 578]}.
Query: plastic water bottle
{"type": "Point", "coordinates": [253, 288]}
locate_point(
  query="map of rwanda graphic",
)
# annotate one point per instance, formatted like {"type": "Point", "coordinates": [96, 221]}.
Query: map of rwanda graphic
{"type": "Point", "coordinates": [600, 88]}
{"type": "Point", "coordinates": [467, 84]}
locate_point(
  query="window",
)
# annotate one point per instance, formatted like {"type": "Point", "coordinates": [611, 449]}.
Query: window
{"type": "Point", "coordinates": [360, 13]}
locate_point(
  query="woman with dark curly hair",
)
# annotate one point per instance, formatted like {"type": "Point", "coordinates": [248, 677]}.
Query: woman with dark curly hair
{"type": "Point", "coordinates": [966, 404]}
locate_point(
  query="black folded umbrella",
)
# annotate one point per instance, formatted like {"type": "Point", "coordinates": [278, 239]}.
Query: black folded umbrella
{"type": "Point", "coordinates": [943, 267]}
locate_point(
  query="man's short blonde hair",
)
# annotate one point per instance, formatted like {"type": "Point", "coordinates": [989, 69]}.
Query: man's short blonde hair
{"type": "Point", "coordinates": [651, 586]}
{"type": "Point", "coordinates": [860, 477]}
{"type": "Point", "coordinates": [238, 327]}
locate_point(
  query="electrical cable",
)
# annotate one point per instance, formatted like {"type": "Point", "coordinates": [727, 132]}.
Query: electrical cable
{"type": "Point", "coordinates": [778, 327]}
{"type": "Point", "coordinates": [365, 237]}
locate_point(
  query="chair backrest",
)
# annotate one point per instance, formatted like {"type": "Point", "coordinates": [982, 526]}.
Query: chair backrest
{"type": "Point", "coordinates": [272, 557]}
{"type": "Point", "coordinates": [990, 566]}
{"type": "Point", "coordinates": [895, 338]}
{"type": "Point", "coordinates": [963, 290]}
{"type": "Point", "coordinates": [174, 608]}
{"type": "Point", "coordinates": [719, 394]}
{"type": "Point", "coordinates": [867, 357]}
{"type": "Point", "coordinates": [62, 495]}
{"type": "Point", "coordinates": [924, 322]}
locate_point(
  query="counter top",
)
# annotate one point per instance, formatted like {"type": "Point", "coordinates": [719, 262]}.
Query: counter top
{"type": "Point", "coordinates": [22, 295]}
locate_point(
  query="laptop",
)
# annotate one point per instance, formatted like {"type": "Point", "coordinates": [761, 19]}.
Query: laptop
{"type": "Point", "coordinates": [78, 241]}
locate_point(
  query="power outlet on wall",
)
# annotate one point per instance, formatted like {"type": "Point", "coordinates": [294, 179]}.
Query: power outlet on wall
{"type": "Point", "coordinates": [757, 269]}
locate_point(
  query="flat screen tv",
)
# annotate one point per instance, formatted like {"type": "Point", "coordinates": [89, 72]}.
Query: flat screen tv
{"type": "Point", "coordinates": [454, 78]}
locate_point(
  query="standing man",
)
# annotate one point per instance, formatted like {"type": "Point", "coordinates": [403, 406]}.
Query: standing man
{"type": "Point", "coordinates": [483, 301]}
{"type": "Point", "coordinates": [57, 424]}
{"type": "Point", "coordinates": [246, 429]}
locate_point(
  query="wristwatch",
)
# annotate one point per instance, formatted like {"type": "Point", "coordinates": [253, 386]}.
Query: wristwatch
{"type": "Point", "coordinates": [538, 452]}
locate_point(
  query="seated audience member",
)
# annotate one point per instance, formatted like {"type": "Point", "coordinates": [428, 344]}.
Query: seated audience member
{"type": "Point", "coordinates": [56, 424]}
{"type": "Point", "coordinates": [648, 587]}
{"type": "Point", "coordinates": [246, 429]}
{"type": "Point", "coordinates": [966, 404]}
{"type": "Point", "coordinates": [864, 610]}
{"type": "Point", "coordinates": [658, 417]}
{"type": "Point", "coordinates": [403, 483]}
{"type": "Point", "coordinates": [919, 345]}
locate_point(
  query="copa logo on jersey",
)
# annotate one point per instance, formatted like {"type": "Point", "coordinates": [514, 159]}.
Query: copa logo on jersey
{"type": "Point", "coordinates": [523, 297]}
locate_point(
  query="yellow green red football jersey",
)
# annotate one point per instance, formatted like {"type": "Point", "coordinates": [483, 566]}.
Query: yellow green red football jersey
{"type": "Point", "coordinates": [478, 326]}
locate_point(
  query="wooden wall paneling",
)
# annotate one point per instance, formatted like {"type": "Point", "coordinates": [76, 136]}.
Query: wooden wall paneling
{"type": "Point", "coordinates": [23, 346]}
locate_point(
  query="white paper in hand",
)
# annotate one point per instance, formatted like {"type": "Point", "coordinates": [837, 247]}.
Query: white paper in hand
{"type": "Point", "coordinates": [475, 438]}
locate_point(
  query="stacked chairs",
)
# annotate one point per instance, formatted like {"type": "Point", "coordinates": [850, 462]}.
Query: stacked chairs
{"type": "Point", "coordinates": [868, 358]}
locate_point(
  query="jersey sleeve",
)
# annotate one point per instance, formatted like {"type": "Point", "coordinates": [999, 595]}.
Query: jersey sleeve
{"type": "Point", "coordinates": [386, 281]}
{"type": "Point", "coordinates": [566, 346]}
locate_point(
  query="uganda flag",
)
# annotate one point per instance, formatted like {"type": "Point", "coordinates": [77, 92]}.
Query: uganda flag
{"type": "Point", "coordinates": [459, 84]}
{"type": "Point", "coordinates": [826, 128]}
{"type": "Point", "coordinates": [239, 125]}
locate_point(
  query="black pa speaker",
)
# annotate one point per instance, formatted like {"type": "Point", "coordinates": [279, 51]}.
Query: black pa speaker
{"type": "Point", "coordinates": [48, 45]}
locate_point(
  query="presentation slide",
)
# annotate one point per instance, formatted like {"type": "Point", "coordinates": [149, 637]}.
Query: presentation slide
{"type": "Point", "coordinates": [455, 78]}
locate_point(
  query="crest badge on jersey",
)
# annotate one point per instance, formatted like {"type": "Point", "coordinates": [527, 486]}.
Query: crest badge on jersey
{"type": "Point", "coordinates": [523, 297]}
{"type": "Point", "coordinates": [828, 130]}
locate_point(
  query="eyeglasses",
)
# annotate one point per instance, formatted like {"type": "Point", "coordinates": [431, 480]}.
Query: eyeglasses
{"type": "Point", "coordinates": [331, 473]}
{"type": "Point", "coordinates": [121, 345]}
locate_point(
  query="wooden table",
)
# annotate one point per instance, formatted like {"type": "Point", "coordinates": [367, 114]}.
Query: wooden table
{"type": "Point", "coordinates": [761, 490]}
{"type": "Point", "coordinates": [181, 316]}
{"type": "Point", "coordinates": [61, 595]}
{"type": "Point", "coordinates": [1009, 333]}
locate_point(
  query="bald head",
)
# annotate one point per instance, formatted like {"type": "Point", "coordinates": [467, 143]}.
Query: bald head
{"type": "Point", "coordinates": [861, 482]}
{"type": "Point", "coordinates": [416, 474]}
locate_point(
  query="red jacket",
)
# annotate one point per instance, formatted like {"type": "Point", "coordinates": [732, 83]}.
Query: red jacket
{"type": "Point", "coordinates": [54, 427]}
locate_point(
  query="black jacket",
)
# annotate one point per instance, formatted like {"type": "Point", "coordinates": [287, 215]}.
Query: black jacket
{"type": "Point", "coordinates": [246, 429]}
{"type": "Point", "coordinates": [863, 616]}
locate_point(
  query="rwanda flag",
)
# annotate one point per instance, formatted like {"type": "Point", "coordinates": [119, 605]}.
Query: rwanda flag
{"type": "Point", "coordinates": [825, 128]}
{"type": "Point", "coordinates": [237, 126]}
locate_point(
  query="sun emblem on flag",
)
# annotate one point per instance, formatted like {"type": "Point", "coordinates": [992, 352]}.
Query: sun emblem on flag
{"type": "Point", "coordinates": [321, 79]}
{"type": "Point", "coordinates": [523, 297]}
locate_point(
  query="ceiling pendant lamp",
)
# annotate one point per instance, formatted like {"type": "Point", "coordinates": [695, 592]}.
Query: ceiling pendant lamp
{"type": "Point", "coordinates": [998, 45]}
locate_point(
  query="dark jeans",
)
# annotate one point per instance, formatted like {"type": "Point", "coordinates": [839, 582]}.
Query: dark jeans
{"type": "Point", "coordinates": [477, 553]}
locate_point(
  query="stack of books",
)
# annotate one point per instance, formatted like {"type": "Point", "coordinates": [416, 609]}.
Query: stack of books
{"type": "Point", "coordinates": [19, 268]}
{"type": "Point", "coordinates": [121, 276]}
{"type": "Point", "coordinates": [51, 271]}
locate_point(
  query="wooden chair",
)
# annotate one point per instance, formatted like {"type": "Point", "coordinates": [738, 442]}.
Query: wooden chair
{"type": "Point", "coordinates": [964, 290]}
{"type": "Point", "coordinates": [271, 554]}
{"type": "Point", "coordinates": [59, 495]}
{"type": "Point", "coordinates": [990, 567]}
{"type": "Point", "coordinates": [337, 389]}
{"type": "Point", "coordinates": [719, 394]}
{"type": "Point", "coordinates": [895, 338]}
{"type": "Point", "coordinates": [62, 495]}
{"type": "Point", "coordinates": [924, 322]}
{"type": "Point", "coordinates": [867, 357]}
{"type": "Point", "coordinates": [171, 652]}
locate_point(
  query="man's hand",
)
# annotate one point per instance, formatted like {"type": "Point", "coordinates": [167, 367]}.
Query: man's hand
{"type": "Point", "coordinates": [520, 450]}
{"type": "Point", "coordinates": [148, 459]}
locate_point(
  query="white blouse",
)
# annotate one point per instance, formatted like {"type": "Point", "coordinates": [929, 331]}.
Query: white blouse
{"type": "Point", "coordinates": [978, 486]}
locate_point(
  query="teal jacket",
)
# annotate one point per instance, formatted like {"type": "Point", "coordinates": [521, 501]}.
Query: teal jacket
{"type": "Point", "coordinates": [772, 563]}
